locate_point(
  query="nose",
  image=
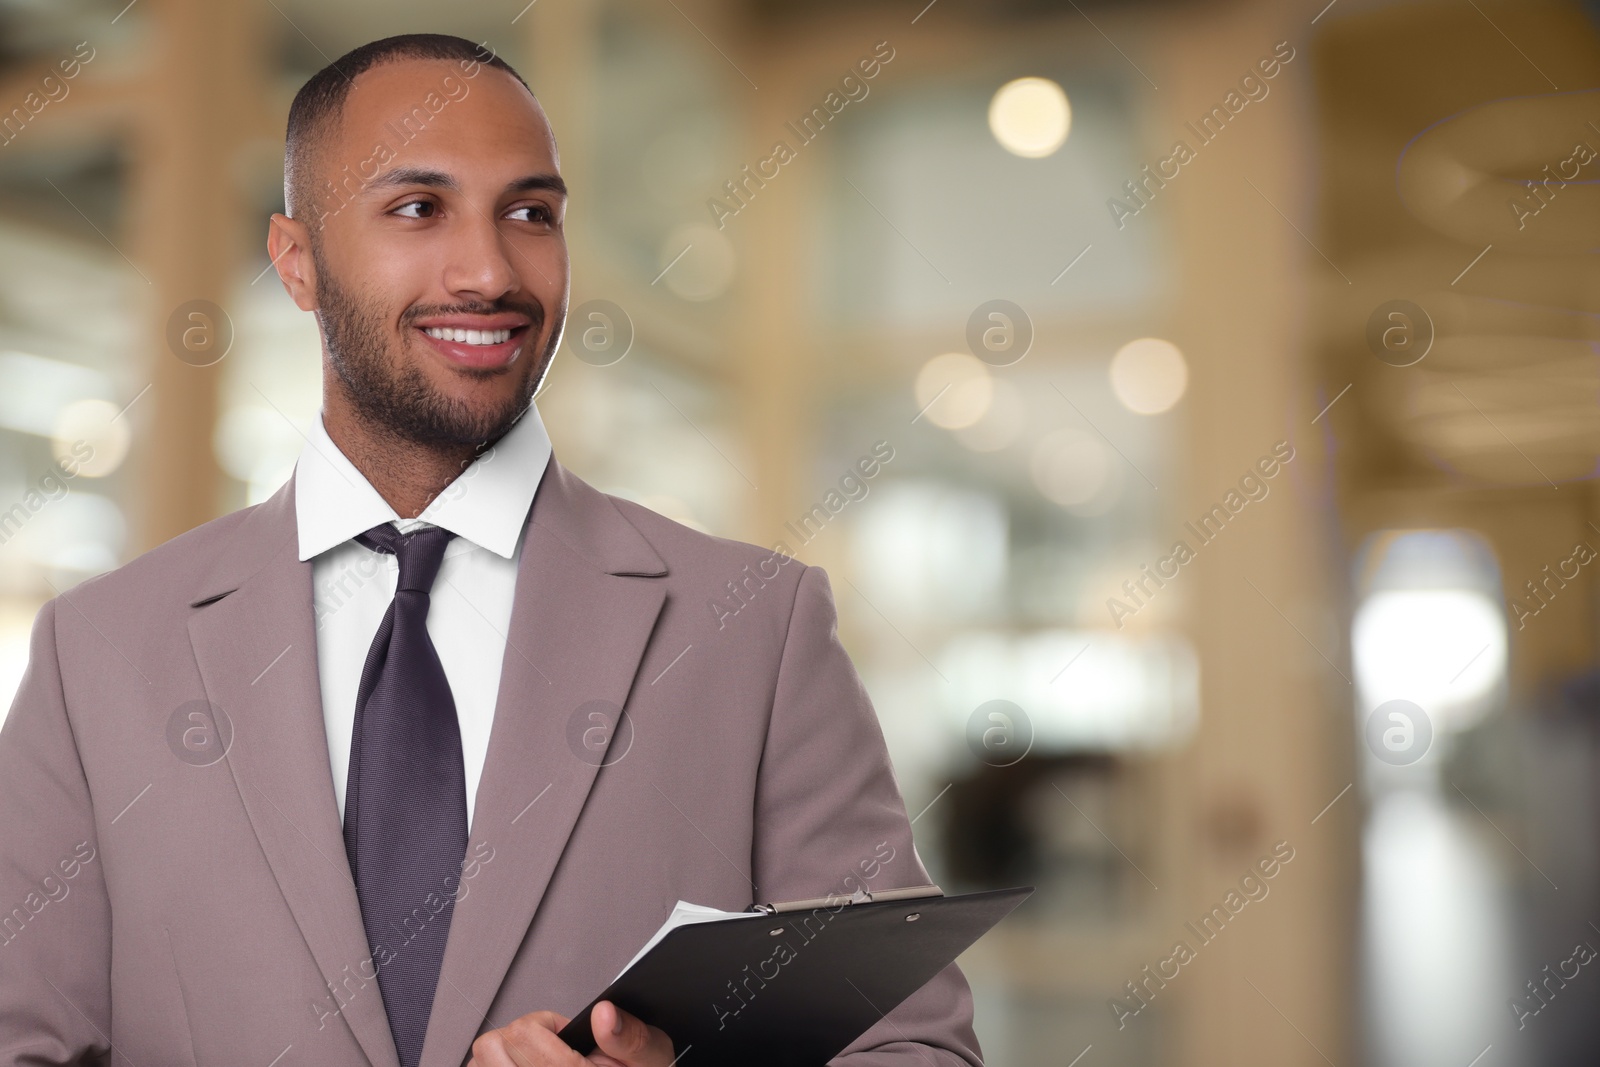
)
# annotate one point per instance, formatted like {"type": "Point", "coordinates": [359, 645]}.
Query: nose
{"type": "Point", "coordinates": [477, 263]}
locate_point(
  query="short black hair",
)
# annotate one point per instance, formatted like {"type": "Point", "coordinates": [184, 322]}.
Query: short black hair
{"type": "Point", "coordinates": [320, 101]}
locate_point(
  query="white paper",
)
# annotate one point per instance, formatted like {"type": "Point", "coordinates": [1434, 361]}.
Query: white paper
{"type": "Point", "coordinates": [684, 914]}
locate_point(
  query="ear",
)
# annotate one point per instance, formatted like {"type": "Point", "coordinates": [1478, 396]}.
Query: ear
{"type": "Point", "coordinates": [289, 245]}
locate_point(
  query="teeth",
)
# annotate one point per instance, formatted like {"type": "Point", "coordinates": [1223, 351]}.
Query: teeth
{"type": "Point", "coordinates": [469, 337]}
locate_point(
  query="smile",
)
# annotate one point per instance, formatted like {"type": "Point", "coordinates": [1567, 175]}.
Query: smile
{"type": "Point", "coordinates": [470, 337]}
{"type": "Point", "coordinates": [476, 349]}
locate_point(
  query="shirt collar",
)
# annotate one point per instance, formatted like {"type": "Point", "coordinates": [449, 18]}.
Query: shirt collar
{"type": "Point", "coordinates": [487, 504]}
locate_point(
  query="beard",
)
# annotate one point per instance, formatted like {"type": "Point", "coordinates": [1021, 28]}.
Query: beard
{"type": "Point", "coordinates": [394, 397]}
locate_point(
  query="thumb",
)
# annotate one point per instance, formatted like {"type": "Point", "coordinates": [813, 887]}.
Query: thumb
{"type": "Point", "coordinates": [627, 1039]}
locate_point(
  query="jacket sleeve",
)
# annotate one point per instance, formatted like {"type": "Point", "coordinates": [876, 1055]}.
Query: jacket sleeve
{"type": "Point", "coordinates": [55, 929]}
{"type": "Point", "coordinates": [830, 819]}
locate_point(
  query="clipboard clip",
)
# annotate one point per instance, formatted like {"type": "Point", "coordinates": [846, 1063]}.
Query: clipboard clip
{"type": "Point", "coordinates": [860, 896]}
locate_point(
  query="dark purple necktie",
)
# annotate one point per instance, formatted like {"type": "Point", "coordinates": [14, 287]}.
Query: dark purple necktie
{"type": "Point", "coordinates": [405, 808]}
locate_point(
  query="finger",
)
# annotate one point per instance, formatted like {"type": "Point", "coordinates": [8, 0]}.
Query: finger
{"type": "Point", "coordinates": [500, 1049]}
{"type": "Point", "coordinates": [529, 1041]}
{"type": "Point", "coordinates": [627, 1039]}
{"type": "Point", "coordinates": [495, 1049]}
{"type": "Point", "coordinates": [549, 1020]}
{"type": "Point", "coordinates": [489, 1050]}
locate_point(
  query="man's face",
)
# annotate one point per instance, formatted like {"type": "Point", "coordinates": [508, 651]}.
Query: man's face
{"type": "Point", "coordinates": [441, 262]}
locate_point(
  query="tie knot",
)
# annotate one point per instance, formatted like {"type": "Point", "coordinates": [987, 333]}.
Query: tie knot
{"type": "Point", "coordinates": [420, 552]}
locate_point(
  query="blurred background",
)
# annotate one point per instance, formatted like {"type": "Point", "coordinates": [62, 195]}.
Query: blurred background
{"type": "Point", "coordinates": [1236, 367]}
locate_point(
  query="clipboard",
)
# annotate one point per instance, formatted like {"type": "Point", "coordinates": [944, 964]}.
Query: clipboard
{"type": "Point", "coordinates": [794, 983]}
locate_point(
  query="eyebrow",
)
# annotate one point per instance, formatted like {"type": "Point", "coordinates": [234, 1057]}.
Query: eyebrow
{"type": "Point", "coordinates": [438, 179]}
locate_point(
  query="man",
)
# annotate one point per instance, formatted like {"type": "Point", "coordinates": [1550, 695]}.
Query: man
{"type": "Point", "coordinates": [343, 778]}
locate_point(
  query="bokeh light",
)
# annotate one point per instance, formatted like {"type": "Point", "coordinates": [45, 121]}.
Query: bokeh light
{"type": "Point", "coordinates": [1030, 117]}
{"type": "Point", "coordinates": [954, 390]}
{"type": "Point", "coordinates": [1070, 467]}
{"type": "Point", "coordinates": [88, 436]}
{"type": "Point", "coordinates": [1149, 375]}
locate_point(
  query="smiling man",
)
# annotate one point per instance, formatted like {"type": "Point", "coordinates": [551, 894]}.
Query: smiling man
{"type": "Point", "coordinates": [405, 762]}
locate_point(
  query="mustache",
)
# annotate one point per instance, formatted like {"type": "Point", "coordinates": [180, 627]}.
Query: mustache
{"type": "Point", "coordinates": [533, 309]}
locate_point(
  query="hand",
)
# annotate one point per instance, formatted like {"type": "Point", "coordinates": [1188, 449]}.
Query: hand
{"type": "Point", "coordinates": [531, 1041]}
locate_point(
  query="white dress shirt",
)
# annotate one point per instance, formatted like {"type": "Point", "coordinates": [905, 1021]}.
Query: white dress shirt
{"type": "Point", "coordinates": [486, 507]}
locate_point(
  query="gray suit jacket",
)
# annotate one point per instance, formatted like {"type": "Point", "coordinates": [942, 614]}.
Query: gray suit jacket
{"type": "Point", "coordinates": [172, 873]}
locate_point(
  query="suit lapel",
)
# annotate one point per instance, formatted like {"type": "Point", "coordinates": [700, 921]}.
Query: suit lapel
{"type": "Point", "coordinates": [257, 653]}
{"type": "Point", "coordinates": [581, 617]}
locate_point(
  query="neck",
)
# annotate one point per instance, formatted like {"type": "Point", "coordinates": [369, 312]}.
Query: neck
{"type": "Point", "coordinates": [406, 474]}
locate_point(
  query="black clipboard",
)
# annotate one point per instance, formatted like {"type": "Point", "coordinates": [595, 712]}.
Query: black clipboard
{"type": "Point", "coordinates": [795, 983]}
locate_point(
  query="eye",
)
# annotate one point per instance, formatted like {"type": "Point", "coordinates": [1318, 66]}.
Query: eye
{"type": "Point", "coordinates": [539, 213]}
{"type": "Point", "coordinates": [428, 207]}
